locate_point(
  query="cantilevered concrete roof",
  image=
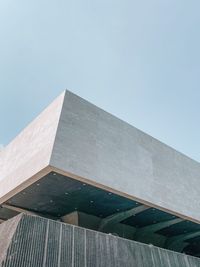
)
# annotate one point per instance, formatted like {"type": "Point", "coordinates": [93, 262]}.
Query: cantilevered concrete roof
{"type": "Point", "coordinates": [77, 140]}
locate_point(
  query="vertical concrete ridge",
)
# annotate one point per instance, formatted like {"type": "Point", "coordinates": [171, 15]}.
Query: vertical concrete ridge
{"type": "Point", "coordinates": [42, 242]}
{"type": "Point", "coordinates": [61, 97]}
{"type": "Point", "coordinates": [66, 97]}
{"type": "Point", "coordinates": [65, 92]}
{"type": "Point", "coordinates": [7, 231]}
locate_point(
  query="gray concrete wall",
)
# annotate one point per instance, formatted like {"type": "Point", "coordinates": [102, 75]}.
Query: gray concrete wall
{"type": "Point", "coordinates": [45, 243]}
{"type": "Point", "coordinates": [107, 152]}
{"type": "Point", "coordinates": [30, 151]}
{"type": "Point", "coordinates": [95, 145]}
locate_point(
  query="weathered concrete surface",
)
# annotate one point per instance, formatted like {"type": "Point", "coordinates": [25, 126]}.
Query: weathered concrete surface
{"type": "Point", "coordinates": [44, 243]}
{"type": "Point", "coordinates": [95, 145]}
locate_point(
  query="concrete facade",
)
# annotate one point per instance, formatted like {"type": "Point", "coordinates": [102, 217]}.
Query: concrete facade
{"type": "Point", "coordinates": [78, 164]}
{"type": "Point", "coordinates": [76, 138]}
{"type": "Point", "coordinates": [92, 144]}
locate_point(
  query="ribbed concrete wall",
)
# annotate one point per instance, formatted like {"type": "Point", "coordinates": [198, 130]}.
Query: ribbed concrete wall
{"type": "Point", "coordinates": [7, 231]}
{"type": "Point", "coordinates": [41, 242]}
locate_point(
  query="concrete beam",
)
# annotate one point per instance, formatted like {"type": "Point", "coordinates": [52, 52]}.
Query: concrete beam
{"type": "Point", "coordinates": [121, 216]}
{"type": "Point", "coordinates": [92, 222]}
{"type": "Point", "coordinates": [158, 226]}
{"type": "Point", "coordinates": [178, 242]}
{"type": "Point", "coordinates": [71, 218]}
{"type": "Point", "coordinates": [20, 210]}
{"type": "Point", "coordinates": [184, 237]}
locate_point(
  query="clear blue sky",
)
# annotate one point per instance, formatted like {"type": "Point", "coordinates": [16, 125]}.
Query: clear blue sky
{"type": "Point", "coordinates": [139, 60]}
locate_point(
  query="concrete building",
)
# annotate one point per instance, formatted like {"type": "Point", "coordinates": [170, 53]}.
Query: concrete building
{"type": "Point", "coordinates": [79, 187]}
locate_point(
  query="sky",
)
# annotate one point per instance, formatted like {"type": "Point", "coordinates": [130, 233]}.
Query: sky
{"type": "Point", "coordinates": [139, 60]}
